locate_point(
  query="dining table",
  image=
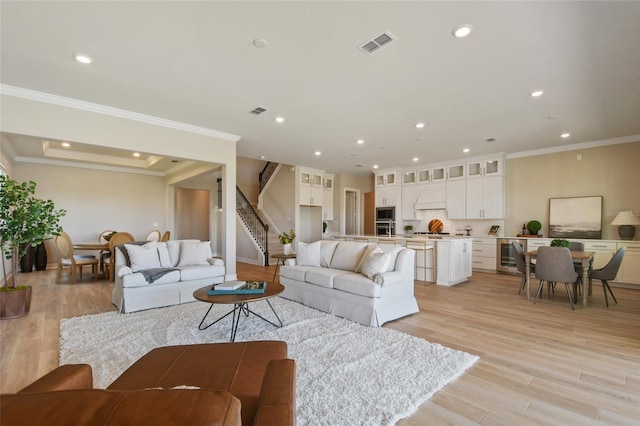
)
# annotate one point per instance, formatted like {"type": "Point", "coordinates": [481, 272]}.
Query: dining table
{"type": "Point", "coordinates": [582, 258]}
{"type": "Point", "coordinates": [96, 246]}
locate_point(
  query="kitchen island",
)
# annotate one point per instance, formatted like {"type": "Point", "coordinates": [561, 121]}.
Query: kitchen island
{"type": "Point", "coordinates": [445, 260]}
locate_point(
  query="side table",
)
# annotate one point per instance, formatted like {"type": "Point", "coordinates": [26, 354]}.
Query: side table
{"type": "Point", "coordinates": [281, 259]}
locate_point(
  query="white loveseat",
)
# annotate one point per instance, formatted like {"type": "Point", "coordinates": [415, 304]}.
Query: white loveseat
{"type": "Point", "coordinates": [358, 281]}
{"type": "Point", "coordinates": [174, 270]}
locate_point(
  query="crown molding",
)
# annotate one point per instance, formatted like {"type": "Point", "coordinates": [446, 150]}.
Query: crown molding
{"type": "Point", "coordinates": [49, 162]}
{"type": "Point", "coordinates": [48, 98]}
{"type": "Point", "coordinates": [575, 146]}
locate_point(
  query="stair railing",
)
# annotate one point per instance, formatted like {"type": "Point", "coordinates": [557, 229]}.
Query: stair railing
{"type": "Point", "coordinates": [266, 173]}
{"type": "Point", "coordinates": [258, 229]}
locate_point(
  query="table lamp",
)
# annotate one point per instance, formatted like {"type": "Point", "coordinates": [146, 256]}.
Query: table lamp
{"type": "Point", "coordinates": [627, 221]}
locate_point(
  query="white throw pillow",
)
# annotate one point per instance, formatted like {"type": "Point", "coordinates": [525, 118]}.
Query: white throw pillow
{"type": "Point", "coordinates": [143, 257]}
{"type": "Point", "coordinates": [393, 253]}
{"type": "Point", "coordinates": [376, 263]}
{"type": "Point", "coordinates": [326, 252]}
{"type": "Point", "coordinates": [195, 253]}
{"type": "Point", "coordinates": [163, 254]}
{"type": "Point", "coordinates": [308, 254]}
{"type": "Point", "coordinates": [370, 248]}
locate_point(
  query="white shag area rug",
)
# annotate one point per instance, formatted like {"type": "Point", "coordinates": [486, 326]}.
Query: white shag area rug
{"type": "Point", "coordinates": [346, 373]}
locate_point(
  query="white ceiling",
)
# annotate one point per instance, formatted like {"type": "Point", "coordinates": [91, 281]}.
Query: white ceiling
{"type": "Point", "coordinates": [194, 62]}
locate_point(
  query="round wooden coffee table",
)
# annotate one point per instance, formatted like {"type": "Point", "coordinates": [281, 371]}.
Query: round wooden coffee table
{"type": "Point", "coordinates": [240, 304]}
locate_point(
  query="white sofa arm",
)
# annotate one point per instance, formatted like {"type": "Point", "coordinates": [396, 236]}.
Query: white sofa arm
{"type": "Point", "coordinates": [290, 262]}
{"type": "Point", "coordinates": [123, 270]}
{"type": "Point", "coordinates": [216, 261]}
{"type": "Point", "coordinates": [387, 279]}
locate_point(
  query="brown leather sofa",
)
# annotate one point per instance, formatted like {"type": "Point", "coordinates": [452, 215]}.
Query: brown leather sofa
{"type": "Point", "coordinates": [242, 383]}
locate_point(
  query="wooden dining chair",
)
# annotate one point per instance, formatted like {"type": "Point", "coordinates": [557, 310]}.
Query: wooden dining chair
{"type": "Point", "coordinates": [103, 238]}
{"type": "Point", "coordinates": [166, 236]}
{"type": "Point", "coordinates": [153, 236]}
{"type": "Point", "coordinates": [554, 265]}
{"type": "Point", "coordinates": [69, 260]}
{"type": "Point", "coordinates": [116, 239]}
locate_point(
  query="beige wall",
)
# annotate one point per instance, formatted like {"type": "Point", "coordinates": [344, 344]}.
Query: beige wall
{"type": "Point", "coordinates": [98, 200]}
{"type": "Point", "coordinates": [247, 172]}
{"type": "Point", "coordinates": [611, 171]}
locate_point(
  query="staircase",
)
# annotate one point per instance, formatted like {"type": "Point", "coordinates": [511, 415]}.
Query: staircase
{"type": "Point", "coordinates": [256, 226]}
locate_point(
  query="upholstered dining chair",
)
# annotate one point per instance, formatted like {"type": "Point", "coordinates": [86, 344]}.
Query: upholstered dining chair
{"type": "Point", "coordinates": [153, 236]}
{"type": "Point", "coordinates": [69, 260]}
{"type": "Point", "coordinates": [554, 265]}
{"type": "Point", "coordinates": [521, 265]}
{"type": "Point", "coordinates": [608, 273]}
{"type": "Point", "coordinates": [116, 239]}
{"type": "Point", "coordinates": [166, 236]}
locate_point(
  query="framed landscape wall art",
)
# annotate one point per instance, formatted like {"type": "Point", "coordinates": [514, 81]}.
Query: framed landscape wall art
{"type": "Point", "coordinates": [575, 217]}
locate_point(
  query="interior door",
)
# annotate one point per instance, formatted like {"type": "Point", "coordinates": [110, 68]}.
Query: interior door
{"type": "Point", "coordinates": [351, 213]}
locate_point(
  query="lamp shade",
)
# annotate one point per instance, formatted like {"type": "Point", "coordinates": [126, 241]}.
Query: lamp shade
{"type": "Point", "coordinates": [627, 217]}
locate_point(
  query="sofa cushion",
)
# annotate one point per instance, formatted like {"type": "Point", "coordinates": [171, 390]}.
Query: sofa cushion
{"type": "Point", "coordinates": [195, 253]}
{"type": "Point", "coordinates": [138, 280]}
{"type": "Point", "coordinates": [327, 248]}
{"type": "Point", "coordinates": [294, 272]}
{"type": "Point", "coordinates": [323, 277]}
{"type": "Point", "coordinates": [347, 255]}
{"type": "Point", "coordinates": [308, 254]}
{"type": "Point", "coordinates": [173, 246]}
{"type": "Point", "coordinates": [376, 262]}
{"type": "Point", "coordinates": [144, 256]}
{"type": "Point", "coordinates": [197, 272]}
{"type": "Point", "coordinates": [357, 284]}
{"type": "Point", "coordinates": [163, 254]}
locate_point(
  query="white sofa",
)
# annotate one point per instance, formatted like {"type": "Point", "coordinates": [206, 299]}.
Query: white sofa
{"type": "Point", "coordinates": [177, 269]}
{"type": "Point", "coordinates": [358, 281]}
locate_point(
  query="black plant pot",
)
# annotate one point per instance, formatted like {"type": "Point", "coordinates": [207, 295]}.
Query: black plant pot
{"type": "Point", "coordinates": [26, 262]}
{"type": "Point", "coordinates": [41, 257]}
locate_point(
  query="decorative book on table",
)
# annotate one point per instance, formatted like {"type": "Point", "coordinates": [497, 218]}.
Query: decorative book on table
{"type": "Point", "coordinates": [243, 287]}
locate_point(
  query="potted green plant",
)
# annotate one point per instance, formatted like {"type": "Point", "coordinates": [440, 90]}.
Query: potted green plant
{"type": "Point", "coordinates": [534, 227]}
{"type": "Point", "coordinates": [286, 238]}
{"type": "Point", "coordinates": [408, 229]}
{"type": "Point", "coordinates": [559, 242]}
{"type": "Point", "coordinates": [25, 221]}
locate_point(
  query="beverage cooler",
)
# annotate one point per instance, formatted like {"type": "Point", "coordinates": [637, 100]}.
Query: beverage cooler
{"type": "Point", "coordinates": [506, 255]}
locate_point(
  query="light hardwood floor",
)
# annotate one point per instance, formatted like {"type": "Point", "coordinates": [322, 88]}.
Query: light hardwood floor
{"type": "Point", "coordinates": [539, 364]}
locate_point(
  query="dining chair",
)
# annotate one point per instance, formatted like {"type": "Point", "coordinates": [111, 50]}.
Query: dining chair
{"type": "Point", "coordinates": [103, 238]}
{"type": "Point", "coordinates": [608, 273]}
{"type": "Point", "coordinates": [521, 265]}
{"type": "Point", "coordinates": [116, 239]}
{"type": "Point", "coordinates": [153, 236]}
{"type": "Point", "coordinates": [554, 265]}
{"type": "Point", "coordinates": [69, 260]}
{"type": "Point", "coordinates": [166, 236]}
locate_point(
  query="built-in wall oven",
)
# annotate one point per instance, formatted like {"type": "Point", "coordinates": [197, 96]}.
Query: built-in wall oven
{"type": "Point", "coordinates": [506, 255]}
{"type": "Point", "coordinates": [386, 221]}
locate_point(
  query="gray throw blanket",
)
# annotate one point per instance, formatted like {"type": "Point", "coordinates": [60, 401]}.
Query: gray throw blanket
{"type": "Point", "coordinates": [156, 273]}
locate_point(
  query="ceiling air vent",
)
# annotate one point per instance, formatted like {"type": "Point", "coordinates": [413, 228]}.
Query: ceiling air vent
{"type": "Point", "coordinates": [371, 46]}
{"type": "Point", "coordinates": [258, 110]}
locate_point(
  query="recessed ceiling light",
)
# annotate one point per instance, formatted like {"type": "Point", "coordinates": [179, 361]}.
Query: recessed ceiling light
{"type": "Point", "coordinates": [260, 43]}
{"type": "Point", "coordinates": [415, 159]}
{"type": "Point", "coordinates": [83, 59]}
{"type": "Point", "coordinates": [280, 119]}
{"type": "Point", "coordinates": [420, 125]}
{"type": "Point", "coordinates": [375, 166]}
{"type": "Point", "coordinates": [462, 31]}
{"type": "Point", "coordinates": [318, 153]}
{"type": "Point", "coordinates": [66, 144]}
{"type": "Point", "coordinates": [136, 154]}
{"type": "Point", "coordinates": [565, 135]}
{"type": "Point", "coordinates": [536, 93]}
{"type": "Point", "coordinates": [262, 157]}
{"type": "Point", "coordinates": [360, 141]}
{"type": "Point", "coordinates": [466, 150]}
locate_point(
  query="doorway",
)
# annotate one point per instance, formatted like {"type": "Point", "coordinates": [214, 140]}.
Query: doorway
{"type": "Point", "coordinates": [192, 214]}
{"type": "Point", "coordinates": [351, 213]}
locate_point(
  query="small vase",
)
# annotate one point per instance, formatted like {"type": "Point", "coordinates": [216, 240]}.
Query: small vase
{"type": "Point", "coordinates": [288, 249]}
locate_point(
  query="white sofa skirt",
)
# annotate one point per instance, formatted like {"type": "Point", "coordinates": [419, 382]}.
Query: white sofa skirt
{"type": "Point", "coordinates": [395, 302]}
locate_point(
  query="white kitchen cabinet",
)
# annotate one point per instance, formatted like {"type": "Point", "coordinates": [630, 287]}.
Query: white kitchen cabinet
{"type": "Point", "coordinates": [327, 197]}
{"type": "Point", "coordinates": [455, 171]}
{"type": "Point", "coordinates": [409, 178]}
{"type": "Point", "coordinates": [409, 195]}
{"type": "Point", "coordinates": [629, 272]}
{"type": "Point", "coordinates": [387, 197]}
{"type": "Point", "coordinates": [453, 260]}
{"type": "Point", "coordinates": [484, 254]}
{"type": "Point", "coordinates": [424, 175]}
{"type": "Point", "coordinates": [485, 167]}
{"type": "Point", "coordinates": [485, 198]}
{"type": "Point", "coordinates": [388, 178]}
{"type": "Point", "coordinates": [438, 174]}
{"type": "Point", "coordinates": [311, 191]}
{"type": "Point", "coordinates": [456, 199]}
